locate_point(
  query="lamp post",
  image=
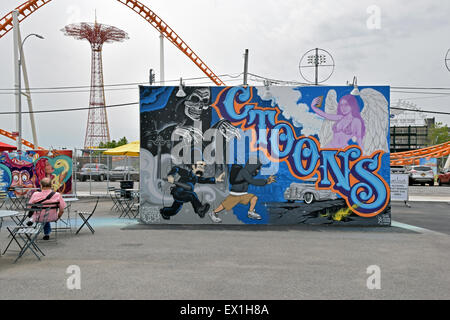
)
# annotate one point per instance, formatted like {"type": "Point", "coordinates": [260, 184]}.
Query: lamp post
{"type": "Point", "coordinates": [19, 129]}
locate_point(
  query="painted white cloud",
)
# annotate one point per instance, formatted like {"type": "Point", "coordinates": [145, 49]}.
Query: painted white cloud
{"type": "Point", "coordinates": [286, 98]}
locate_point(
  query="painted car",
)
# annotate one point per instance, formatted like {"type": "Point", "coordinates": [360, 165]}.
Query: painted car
{"type": "Point", "coordinates": [421, 174]}
{"type": "Point", "coordinates": [444, 177]}
{"type": "Point", "coordinates": [307, 192]}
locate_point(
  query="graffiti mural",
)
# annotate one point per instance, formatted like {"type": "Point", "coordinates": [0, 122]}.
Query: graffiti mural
{"type": "Point", "coordinates": [27, 169]}
{"type": "Point", "coordinates": [265, 155]}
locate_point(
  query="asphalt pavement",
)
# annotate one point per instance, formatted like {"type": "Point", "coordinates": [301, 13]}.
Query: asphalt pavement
{"type": "Point", "coordinates": [125, 260]}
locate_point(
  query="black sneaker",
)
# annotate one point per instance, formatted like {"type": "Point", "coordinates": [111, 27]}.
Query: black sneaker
{"type": "Point", "coordinates": [165, 217]}
{"type": "Point", "coordinates": [29, 223]}
{"type": "Point", "coordinates": [203, 210]}
{"type": "Point", "coordinates": [46, 237]}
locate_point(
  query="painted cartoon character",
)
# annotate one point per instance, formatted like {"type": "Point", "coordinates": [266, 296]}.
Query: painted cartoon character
{"type": "Point", "coordinates": [22, 178]}
{"type": "Point", "coordinates": [240, 179]}
{"type": "Point", "coordinates": [196, 106]}
{"type": "Point", "coordinates": [183, 191]}
{"type": "Point", "coordinates": [349, 127]}
{"type": "Point", "coordinates": [44, 169]}
{"type": "Point", "coordinates": [21, 173]}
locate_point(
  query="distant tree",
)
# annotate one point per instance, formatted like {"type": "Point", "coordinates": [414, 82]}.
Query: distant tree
{"type": "Point", "coordinates": [110, 145]}
{"type": "Point", "coordinates": [438, 133]}
{"type": "Point", "coordinates": [113, 143]}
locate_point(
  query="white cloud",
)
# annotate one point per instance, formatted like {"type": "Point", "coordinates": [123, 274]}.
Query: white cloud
{"type": "Point", "coordinates": [286, 98]}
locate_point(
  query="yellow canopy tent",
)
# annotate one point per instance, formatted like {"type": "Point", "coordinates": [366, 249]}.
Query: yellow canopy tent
{"type": "Point", "coordinates": [130, 149]}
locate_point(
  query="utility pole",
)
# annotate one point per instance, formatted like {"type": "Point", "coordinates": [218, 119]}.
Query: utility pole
{"type": "Point", "coordinates": [17, 80]}
{"type": "Point", "coordinates": [161, 58]}
{"type": "Point", "coordinates": [152, 77]}
{"type": "Point", "coordinates": [245, 66]}
{"type": "Point", "coordinates": [316, 62]}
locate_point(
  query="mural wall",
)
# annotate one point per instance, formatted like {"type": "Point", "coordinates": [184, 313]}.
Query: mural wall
{"type": "Point", "coordinates": [260, 155]}
{"type": "Point", "coordinates": [25, 170]}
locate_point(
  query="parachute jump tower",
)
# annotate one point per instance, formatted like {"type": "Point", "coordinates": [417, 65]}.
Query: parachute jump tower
{"type": "Point", "coordinates": [97, 129]}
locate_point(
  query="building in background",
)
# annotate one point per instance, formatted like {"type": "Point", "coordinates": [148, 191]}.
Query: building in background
{"type": "Point", "coordinates": [409, 129]}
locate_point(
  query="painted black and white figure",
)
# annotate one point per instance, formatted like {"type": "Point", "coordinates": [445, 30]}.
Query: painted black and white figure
{"type": "Point", "coordinates": [187, 119]}
{"type": "Point", "coordinates": [168, 121]}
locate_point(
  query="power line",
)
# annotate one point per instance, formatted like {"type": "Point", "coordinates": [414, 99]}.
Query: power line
{"type": "Point", "coordinates": [421, 88]}
{"type": "Point", "coordinates": [73, 109]}
{"type": "Point", "coordinates": [106, 90]}
{"type": "Point", "coordinates": [420, 92]}
{"type": "Point", "coordinates": [420, 98]}
{"type": "Point", "coordinates": [271, 80]}
{"type": "Point", "coordinates": [392, 87]}
{"type": "Point", "coordinates": [122, 84]}
{"type": "Point", "coordinates": [276, 81]}
{"type": "Point", "coordinates": [137, 103]}
{"type": "Point", "coordinates": [69, 91]}
{"type": "Point", "coordinates": [421, 111]}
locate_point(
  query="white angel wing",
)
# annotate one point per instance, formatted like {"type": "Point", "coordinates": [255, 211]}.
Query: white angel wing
{"type": "Point", "coordinates": [326, 131]}
{"type": "Point", "coordinates": [376, 119]}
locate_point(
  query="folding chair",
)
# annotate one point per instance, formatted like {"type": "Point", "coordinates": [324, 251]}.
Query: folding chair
{"type": "Point", "coordinates": [123, 203]}
{"type": "Point", "coordinates": [85, 216]}
{"type": "Point", "coordinates": [16, 204]}
{"type": "Point", "coordinates": [2, 202]}
{"type": "Point", "coordinates": [111, 191]}
{"type": "Point", "coordinates": [3, 198]}
{"type": "Point", "coordinates": [47, 206]}
{"type": "Point", "coordinates": [135, 204]}
{"type": "Point", "coordinates": [29, 235]}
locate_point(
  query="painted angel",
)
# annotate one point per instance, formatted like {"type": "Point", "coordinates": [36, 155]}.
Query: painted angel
{"type": "Point", "coordinates": [345, 124]}
{"type": "Point", "coordinates": [348, 124]}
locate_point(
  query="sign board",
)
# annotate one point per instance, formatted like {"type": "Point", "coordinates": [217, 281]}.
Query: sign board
{"type": "Point", "coordinates": [399, 187]}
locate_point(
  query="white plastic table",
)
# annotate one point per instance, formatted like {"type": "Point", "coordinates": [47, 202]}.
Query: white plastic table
{"type": "Point", "coordinates": [68, 200]}
{"type": "Point", "coordinates": [8, 214]}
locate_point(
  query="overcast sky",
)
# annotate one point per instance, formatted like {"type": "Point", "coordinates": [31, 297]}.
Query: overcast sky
{"type": "Point", "coordinates": [407, 50]}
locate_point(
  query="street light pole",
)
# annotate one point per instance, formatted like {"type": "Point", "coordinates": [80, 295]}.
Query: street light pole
{"type": "Point", "coordinates": [16, 40]}
{"type": "Point", "coordinates": [19, 127]}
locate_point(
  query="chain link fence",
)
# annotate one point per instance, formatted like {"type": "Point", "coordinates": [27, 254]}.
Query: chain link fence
{"type": "Point", "coordinates": [95, 173]}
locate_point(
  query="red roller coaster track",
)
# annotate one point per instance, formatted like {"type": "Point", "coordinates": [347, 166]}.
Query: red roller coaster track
{"type": "Point", "coordinates": [24, 142]}
{"type": "Point", "coordinates": [413, 157]}
{"type": "Point", "coordinates": [29, 7]}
